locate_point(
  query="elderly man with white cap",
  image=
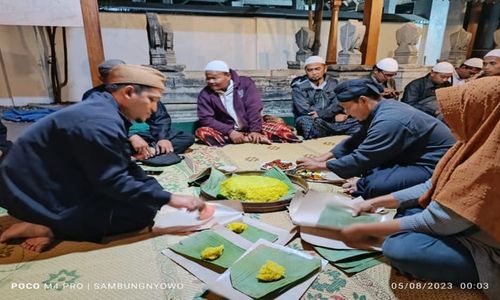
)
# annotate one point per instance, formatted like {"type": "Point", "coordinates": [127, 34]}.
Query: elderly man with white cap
{"type": "Point", "coordinates": [421, 92]}
{"type": "Point", "coordinates": [315, 107]}
{"type": "Point", "coordinates": [467, 70]}
{"type": "Point", "coordinates": [491, 65]}
{"type": "Point", "coordinates": [70, 175]}
{"type": "Point", "coordinates": [229, 109]}
{"type": "Point", "coordinates": [383, 73]}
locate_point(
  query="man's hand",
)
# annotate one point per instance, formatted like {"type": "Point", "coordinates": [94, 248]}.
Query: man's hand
{"type": "Point", "coordinates": [141, 147]}
{"type": "Point", "coordinates": [358, 234]}
{"type": "Point", "coordinates": [258, 138]}
{"type": "Point", "coordinates": [310, 164]}
{"type": "Point", "coordinates": [185, 201]}
{"type": "Point", "coordinates": [390, 93]}
{"type": "Point", "coordinates": [1, 153]}
{"type": "Point", "coordinates": [364, 207]}
{"type": "Point", "coordinates": [350, 186]}
{"type": "Point", "coordinates": [237, 137]}
{"type": "Point", "coordinates": [313, 114]}
{"type": "Point", "coordinates": [164, 146]}
{"type": "Point", "coordinates": [341, 118]}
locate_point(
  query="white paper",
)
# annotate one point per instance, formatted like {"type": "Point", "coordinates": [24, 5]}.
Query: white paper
{"type": "Point", "coordinates": [305, 211]}
{"type": "Point", "coordinates": [223, 287]}
{"type": "Point", "coordinates": [329, 175]}
{"type": "Point", "coordinates": [173, 220]}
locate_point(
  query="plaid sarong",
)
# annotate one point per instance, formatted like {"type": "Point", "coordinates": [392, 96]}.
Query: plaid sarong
{"type": "Point", "coordinates": [275, 132]}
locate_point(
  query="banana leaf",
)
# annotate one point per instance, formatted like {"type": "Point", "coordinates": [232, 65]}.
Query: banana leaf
{"type": "Point", "coordinates": [244, 272]}
{"type": "Point", "coordinates": [337, 217]}
{"type": "Point", "coordinates": [365, 264]}
{"type": "Point", "coordinates": [212, 185]}
{"type": "Point", "coordinates": [338, 255]}
{"type": "Point", "coordinates": [253, 234]}
{"type": "Point", "coordinates": [192, 247]}
{"type": "Point", "coordinates": [351, 261]}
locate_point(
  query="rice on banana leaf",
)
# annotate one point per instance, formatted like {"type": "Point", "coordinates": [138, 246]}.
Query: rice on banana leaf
{"type": "Point", "coordinates": [253, 188]}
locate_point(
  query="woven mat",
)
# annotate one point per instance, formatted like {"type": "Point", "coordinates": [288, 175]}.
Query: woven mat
{"type": "Point", "coordinates": [137, 270]}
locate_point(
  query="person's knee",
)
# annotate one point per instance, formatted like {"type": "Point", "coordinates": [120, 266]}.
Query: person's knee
{"type": "Point", "coordinates": [397, 247]}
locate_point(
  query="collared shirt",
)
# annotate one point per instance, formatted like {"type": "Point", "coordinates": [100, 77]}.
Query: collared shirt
{"type": "Point", "coordinates": [318, 87]}
{"type": "Point", "coordinates": [228, 101]}
{"type": "Point", "coordinates": [395, 134]}
{"type": "Point", "coordinates": [456, 80]}
{"type": "Point", "coordinates": [73, 164]}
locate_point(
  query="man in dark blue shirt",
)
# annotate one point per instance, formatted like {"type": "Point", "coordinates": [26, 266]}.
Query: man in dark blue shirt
{"type": "Point", "coordinates": [155, 136]}
{"type": "Point", "coordinates": [398, 147]}
{"type": "Point", "coordinates": [70, 175]}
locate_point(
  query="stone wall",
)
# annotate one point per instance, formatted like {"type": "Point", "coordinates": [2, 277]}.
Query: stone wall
{"type": "Point", "coordinates": [181, 93]}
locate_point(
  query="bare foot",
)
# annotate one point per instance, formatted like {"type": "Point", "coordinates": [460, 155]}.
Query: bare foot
{"type": "Point", "coordinates": [350, 186]}
{"type": "Point", "coordinates": [37, 244]}
{"type": "Point", "coordinates": [38, 237]}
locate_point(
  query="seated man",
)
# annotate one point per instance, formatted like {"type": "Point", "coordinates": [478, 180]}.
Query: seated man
{"type": "Point", "coordinates": [397, 147]}
{"type": "Point", "coordinates": [491, 64]}
{"type": "Point", "coordinates": [155, 136]}
{"type": "Point", "coordinates": [70, 175]}
{"type": "Point", "coordinates": [421, 92]}
{"type": "Point", "coordinates": [229, 110]}
{"type": "Point", "coordinates": [383, 73]}
{"type": "Point", "coordinates": [315, 107]}
{"type": "Point", "coordinates": [4, 143]}
{"type": "Point", "coordinates": [467, 70]}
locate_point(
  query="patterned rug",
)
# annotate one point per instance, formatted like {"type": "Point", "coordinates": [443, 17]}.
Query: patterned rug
{"type": "Point", "coordinates": [137, 270]}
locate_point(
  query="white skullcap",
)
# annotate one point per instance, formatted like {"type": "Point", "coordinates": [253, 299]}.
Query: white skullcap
{"type": "Point", "coordinates": [443, 67]}
{"type": "Point", "coordinates": [494, 52]}
{"type": "Point", "coordinates": [474, 62]}
{"type": "Point", "coordinates": [388, 64]}
{"type": "Point", "coordinates": [314, 60]}
{"type": "Point", "coordinates": [217, 66]}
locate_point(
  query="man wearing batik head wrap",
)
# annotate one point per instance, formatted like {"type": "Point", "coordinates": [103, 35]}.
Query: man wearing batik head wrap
{"type": "Point", "coordinates": [70, 175]}
{"type": "Point", "coordinates": [154, 137]}
{"type": "Point", "coordinates": [455, 238]}
{"type": "Point", "coordinates": [229, 110]}
{"type": "Point", "coordinates": [397, 147]}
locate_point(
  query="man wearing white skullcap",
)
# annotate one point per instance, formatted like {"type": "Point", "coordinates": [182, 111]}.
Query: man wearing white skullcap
{"type": "Point", "coordinates": [315, 107]}
{"type": "Point", "coordinates": [229, 110]}
{"type": "Point", "coordinates": [383, 73]}
{"type": "Point", "coordinates": [421, 92]}
{"type": "Point", "coordinates": [491, 65]}
{"type": "Point", "coordinates": [467, 69]}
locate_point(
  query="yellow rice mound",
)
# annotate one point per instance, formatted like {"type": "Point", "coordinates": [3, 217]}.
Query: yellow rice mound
{"type": "Point", "coordinates": [271, 271]}
{"type": "Point", "coordinates": [237, 227]}
{"type": "Point", "coordinates": [253, 188]}
{"type": "Point", "coordinates": [212, 253]}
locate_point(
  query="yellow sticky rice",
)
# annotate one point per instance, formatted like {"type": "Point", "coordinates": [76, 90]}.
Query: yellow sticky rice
{"type": "Point", "coordinates": [212, 253]}
{"type": "Point", "coordinates": [253, 188]}
{"type": "Point", "coordinates": [237, 227]}
{"type": "Point", "coordinates": [271, 271]}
